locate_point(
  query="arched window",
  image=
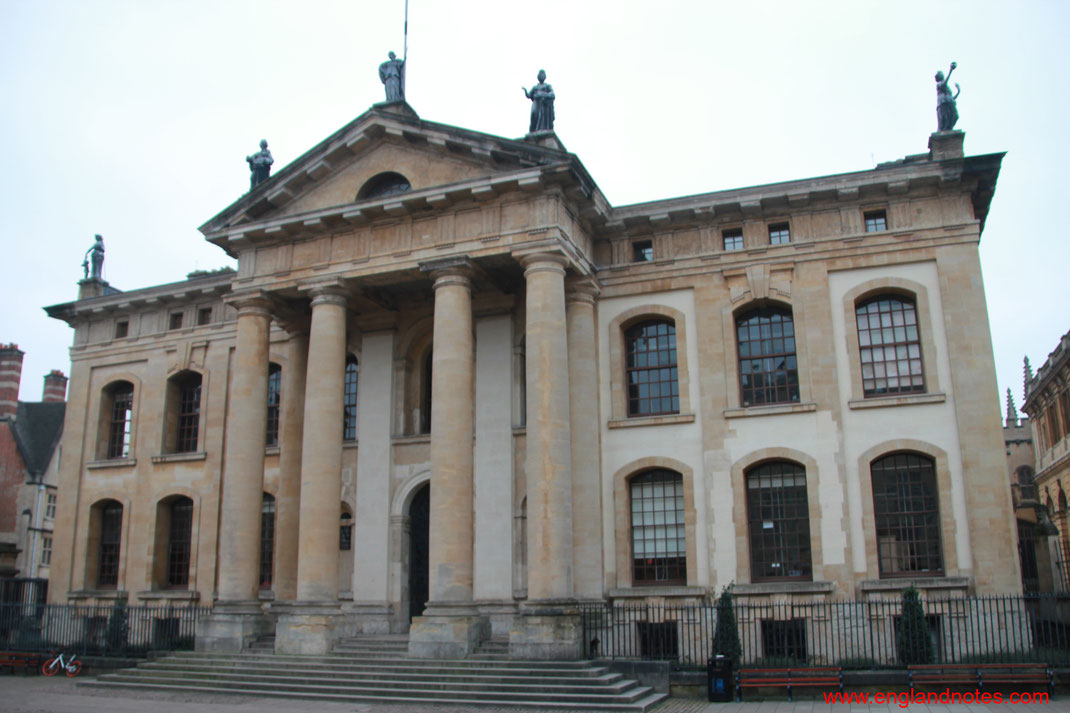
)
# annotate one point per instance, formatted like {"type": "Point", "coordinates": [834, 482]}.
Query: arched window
{"type": "Point", "coordinates": [778, 519]}
{"type": "Point", "coordinates": [906, 510]}
{"type": "Point", "coordinates": [768, 370]}
{"type": "Point", "coordinates": [119, 405]}
{"type": "Point", "coordinates": [108, 517]}
{"type": "Point", "coordinates": [384, 184]}
{"type": "Point", "coordinates": [183, 413]}
{"type": "Point", "coordinates": [652, 378]}
{"type": "Point", "coordinates": [274, 399]}
{"type": "Point", "coordinates": [349, 400]}
{"type": "Point", "coordinates": [179, 527]}
{"type": "Point", "coordinates": [659, 544]}
{"type": "Point", "coordinates": [267, 541]}
{"type": "Point", "coordinates": [890, 346]}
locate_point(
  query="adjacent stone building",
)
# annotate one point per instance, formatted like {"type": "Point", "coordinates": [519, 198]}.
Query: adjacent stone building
{"type": "Point", "coordinates": [451, 390]}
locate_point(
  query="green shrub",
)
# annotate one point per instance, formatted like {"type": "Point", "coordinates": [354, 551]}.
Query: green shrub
{"type": "Point", "coordinates": [726, 635]}
{"type": "Point", "coordinates": [912, 642]}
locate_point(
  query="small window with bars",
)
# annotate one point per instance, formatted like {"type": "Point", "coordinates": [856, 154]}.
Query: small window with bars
{"type": "Point", "coordinates": [876, 221]}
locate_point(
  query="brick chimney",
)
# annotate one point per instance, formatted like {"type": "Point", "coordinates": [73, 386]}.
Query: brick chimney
{"type": "Point", "coordinates": [10, 377]}
{"type": "Point", "coordinates": [55, 387]}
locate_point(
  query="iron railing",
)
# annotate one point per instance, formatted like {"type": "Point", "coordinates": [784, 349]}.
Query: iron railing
{"type": "Point", "coordinates": [111, 630]}
{"type": "Point", "coordinates": [851, 634]}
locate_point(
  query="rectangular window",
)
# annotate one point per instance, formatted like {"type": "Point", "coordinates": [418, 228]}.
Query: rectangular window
{"type": "Point", "coordinates": [176, 320]}
{"type": "Point", "coordinates": [204, 316]}
{"type": "Point", "coordinates": [1064, 408]}
{"type": "Point", "coordinates": [658, 639]}
{"type": "Point", "coordinates": [643, 251]}
{"type": "Point", "coordinates": [779, 234]}
{"type": "Point", "coordinates": [876, 221]}
{"type": "Point", "coordinates": [122, 327]}
{"type": "Point", "coordinates": [50, 506]}
{"type": "Point", "coordinates": [189, 417]}
{"type": "Point", "coordinates": [784, 641]}
{"type": "Point", "coordinates": [733, 239]}
{"type": "Point", "coordinates": [267, 542]}
{"type": "Point", "coordinates": [345, 537]}
{"type": "Point", "coordinates": [178, 547]}
{"type": "Point", "coordinates": [1053, 425]}
{"type": "Point", "coordinates": [121, 416]}
{"type": "Point", "coordinates": [46, 550]}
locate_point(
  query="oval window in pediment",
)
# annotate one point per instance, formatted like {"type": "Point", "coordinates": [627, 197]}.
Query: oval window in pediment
{"type": "Point", "coordinates": [384, 184]}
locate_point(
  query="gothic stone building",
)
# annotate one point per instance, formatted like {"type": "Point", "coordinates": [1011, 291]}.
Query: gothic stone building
{"type": "Point", "coordinates": [451, 390]}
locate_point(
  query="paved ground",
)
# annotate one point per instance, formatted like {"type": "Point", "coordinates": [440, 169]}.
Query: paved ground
{"type": "Point", "coordinates": [34, 694]}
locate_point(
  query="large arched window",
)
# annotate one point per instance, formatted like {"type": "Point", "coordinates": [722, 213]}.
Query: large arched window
{"type": "Point", "coordinates": [768, 369]}
{"type": "Point", "coordinates": [119, 406]}
{"type": "Point", "coordinates": [349, 400]}
{"type": "Point", "coordinates": [384, 184]}
{"type": "Point", "coordinates": [659, 543]}
{"type": "Point", "coordinates": [778, 520]}
{"type": "Point", "coordinates": [174, 517]}
{"type": "Point", "coordinates": [107, 525]}
{"type": "Point", "coordinates": [906, 511]}
{"type": "Point", "coordinates": [890, 346]}
{"type": "Point", "coordinates": [652, 378]}
{"type": "Point", "coordinates": [267, 541]}
{"type": "Point", "coordinates": [183, 413]}
{"type": "Point", "coordinates": [274, 400]}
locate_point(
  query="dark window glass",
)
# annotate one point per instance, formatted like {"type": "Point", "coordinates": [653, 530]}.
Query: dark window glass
{"type": "Point", "coordinates": [46, 550]}
{"type": "Point", "coordinates": [122, 409]}
{"type": "Point", "coordinates": [876, 221]}
{"type": "Point", "coordinates": [176, 320]}
{"type": "Point", "coordinates": [267, 541]}
{"type": "Point", "coordinates": [907, 514]}
{"type": "Point", "coordinates": [189, 413]}
{"type": "Point", "coordinates": [1027, 489]}
{"type": "Point", "coordinates": [733, 239]}
{"type": "Point", "coordinates": [1052, 419]}
{"type": "Point", "coordinates": [642, 251]}
{"type": "Point", "coordinates": [652, 378]}
{"type": "Point", "coordinates": [1064, 408]}
{"type": "Point", "coordinates": [659, 543]}
{"type": "Point", "coordinates": [274, 400]}
{"type": "Point", "coordinates": [178, 544]}
{"type": "Point", "coordinates": [768, 369]}
{"type": "Point", "coordinates": [121, 329]}
{"type": "Point", "coordinates": [349, 401]}
{"type": "Point", "coordinates": [384, 184]}
{"type": "Point", "coordinates": [50, 507]}
{"type": "Point", "coordinates": [779, 522]}
{"type": "Point", "coordinates": [890, 346]}
{"type": "Point", "coordinates": [204, 316]}
{"type": "Point", "coordinates": [345, 532]}
{"type": "Point", "coordinates": [784, 640]}
{"type": "Point", "coordinates": [425, 395]}
{"type": "Point", "coordinates": [111, 524]}
{"type": "Point", "coordinates": [779, 234]}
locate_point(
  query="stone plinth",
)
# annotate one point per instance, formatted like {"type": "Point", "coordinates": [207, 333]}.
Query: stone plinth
{"type": "Point", "coordinates": [231, 627]}
{"type": "Point", "coordinates": [449, 636]}
{"type": "Point", "coordinates": [946, 144]}
{"type": "Point", "coordinates": [541, 635]}
{"type": "Point", "coordinates": [308, 628]}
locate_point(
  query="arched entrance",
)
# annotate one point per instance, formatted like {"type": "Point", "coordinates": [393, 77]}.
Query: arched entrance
{"type": "Point", "coordinates": [419, 543]}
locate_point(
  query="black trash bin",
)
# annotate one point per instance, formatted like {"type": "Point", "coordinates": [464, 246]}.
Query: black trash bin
{"type": "Point", "coordinates": [719, 682]}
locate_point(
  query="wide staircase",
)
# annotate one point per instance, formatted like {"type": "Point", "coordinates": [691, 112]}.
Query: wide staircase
{"type": "Point", "coordinates": [378, 669]}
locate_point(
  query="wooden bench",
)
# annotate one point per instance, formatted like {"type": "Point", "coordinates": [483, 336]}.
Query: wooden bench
{"type": "Point", "coordinates": [980, 674]}
{"type": "Point", "coordinates": [20, 659]}
{"type": "Point", "coordinates": [823, 676]}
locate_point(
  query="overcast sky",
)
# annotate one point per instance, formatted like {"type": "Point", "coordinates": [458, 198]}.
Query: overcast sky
{"type": "Point", "coordinates": [133, 118]}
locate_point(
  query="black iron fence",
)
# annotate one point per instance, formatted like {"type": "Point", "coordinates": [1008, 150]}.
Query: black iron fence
{"type": "Point", "coordinates": [113, 630]}
{"type": "Point", "coordinates": [851, 634]}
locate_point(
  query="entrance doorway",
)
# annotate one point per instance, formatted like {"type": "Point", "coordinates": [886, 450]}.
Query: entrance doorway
{"type": "Point", "coordinates": [419, 542]}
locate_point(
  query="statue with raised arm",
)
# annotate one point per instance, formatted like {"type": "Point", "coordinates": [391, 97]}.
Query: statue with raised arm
{"type": "Point", "coordinates": [392, 75]}
{"type": "Point", "coordinates": [94, 259]}
{"type": "Point", "coordinates": [947, 114]}
{"type": "Point", "coordinates": [259, 165]}
{"type": "Point", "coordinates": [542, 105]}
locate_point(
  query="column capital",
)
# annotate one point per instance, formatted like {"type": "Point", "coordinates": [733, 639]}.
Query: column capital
{"type": "Point", "coordinates": [256, 302]}
{"type": "Point", "coordinates": [582, 289]}
{"type": "Point", "coordinates": [329, 292]}
{"type": "Point", "coordinates": [543, 261]}
{"type": "Point", "coordinates": [450, 271]}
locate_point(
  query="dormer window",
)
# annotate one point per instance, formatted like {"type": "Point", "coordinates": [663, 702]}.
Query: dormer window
{"type": "Point", "coordinates": [384, 184]}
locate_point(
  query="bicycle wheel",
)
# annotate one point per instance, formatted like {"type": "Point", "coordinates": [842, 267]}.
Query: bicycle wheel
{"type": "Point", "coordinates": [73, 668]}
{"type": "Point", "coordinates": [49, 668]}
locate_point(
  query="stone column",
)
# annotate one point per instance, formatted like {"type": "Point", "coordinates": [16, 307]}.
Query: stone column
{"type": "Point", "coordinates": [237, 619]}
{"type": "Point", "coordinates": [288, 502]}
{"type": "Point", "coordinates": [549, 628]}
{"type": "Point", "coordinates": [449, 626]}
{"type": "Point", "coordinates": [585, 427]}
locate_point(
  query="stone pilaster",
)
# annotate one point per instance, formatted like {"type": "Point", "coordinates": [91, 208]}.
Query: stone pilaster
{"type": "Point", "coordinates": [584, 424]}
{"type": "Point", "coordinates": [291, 435]}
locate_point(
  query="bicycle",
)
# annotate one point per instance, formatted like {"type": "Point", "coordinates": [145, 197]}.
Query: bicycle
{"type": "Point", "coordinates": [53, 665]}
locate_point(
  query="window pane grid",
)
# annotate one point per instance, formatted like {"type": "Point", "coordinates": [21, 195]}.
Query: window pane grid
{"type": "Point", "coordinates": [652, 376]}
{"type": "Point", "coordinates": [349, 402]}
{"type": "Point", "coordinates": [659, 543]}
{"type": "Point", "coordinates": [876, 221]}
{"type": "Point", "coordinates": [111, 521]}
{"type": "Point", "coordinates": [768, 369]}
{"type": "Point", "coordinates": [733, 239]}
{"type": "Point", "coordinates": [890, 347]}
{"type": "Point", "coordinates": [189, 415]}
{"type": "Point", "coordinates": [119, 430]}
{"type": "Point", "coordinates": [779, 234]}
{"type": "Point", "coordinates": [267, 541]}
{"type": "Point", "coordinates": [907, 514]}
{"type": "Point", "coordinates": [274, 399]}
{"type": "Point", "coordinates": [779, 522]}
{"type": "Point", "coordinates": [178, 546]}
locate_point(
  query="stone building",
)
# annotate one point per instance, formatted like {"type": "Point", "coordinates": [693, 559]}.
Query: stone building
{"type": "Point", "coordinates": [29, 461]}
{"type": "Point", "coordinates": [451, 390]}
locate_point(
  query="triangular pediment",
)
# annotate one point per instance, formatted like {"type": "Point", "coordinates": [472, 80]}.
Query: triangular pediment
{"type": "Point", "coordinates": [434, 158]}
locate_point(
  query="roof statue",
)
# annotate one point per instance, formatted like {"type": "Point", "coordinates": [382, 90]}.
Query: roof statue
{"type": "Point", "coordinates": [93, 264]}
{"type": "Point", "coordinates": [946, 111]}
{"type": "Point", "coordinates": [259, 165]}
{"type": "Point", "coordinates": [542, 105]}
{"type": "Point", "coordinates": [392, 75]}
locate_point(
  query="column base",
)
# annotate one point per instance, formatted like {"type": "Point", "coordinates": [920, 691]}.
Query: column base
{"type": "Point", "coordinates": [231, 627]}
{"type": "Point", "coordinates": [309, 629]}
{"type": "Point", "coordinates": [446, 632]}
{"type": "Point", "coordinates": [547, 633]}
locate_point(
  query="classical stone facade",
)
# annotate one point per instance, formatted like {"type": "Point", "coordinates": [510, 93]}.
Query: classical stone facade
{"type": "Point", "coordinates": [451, 390]}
